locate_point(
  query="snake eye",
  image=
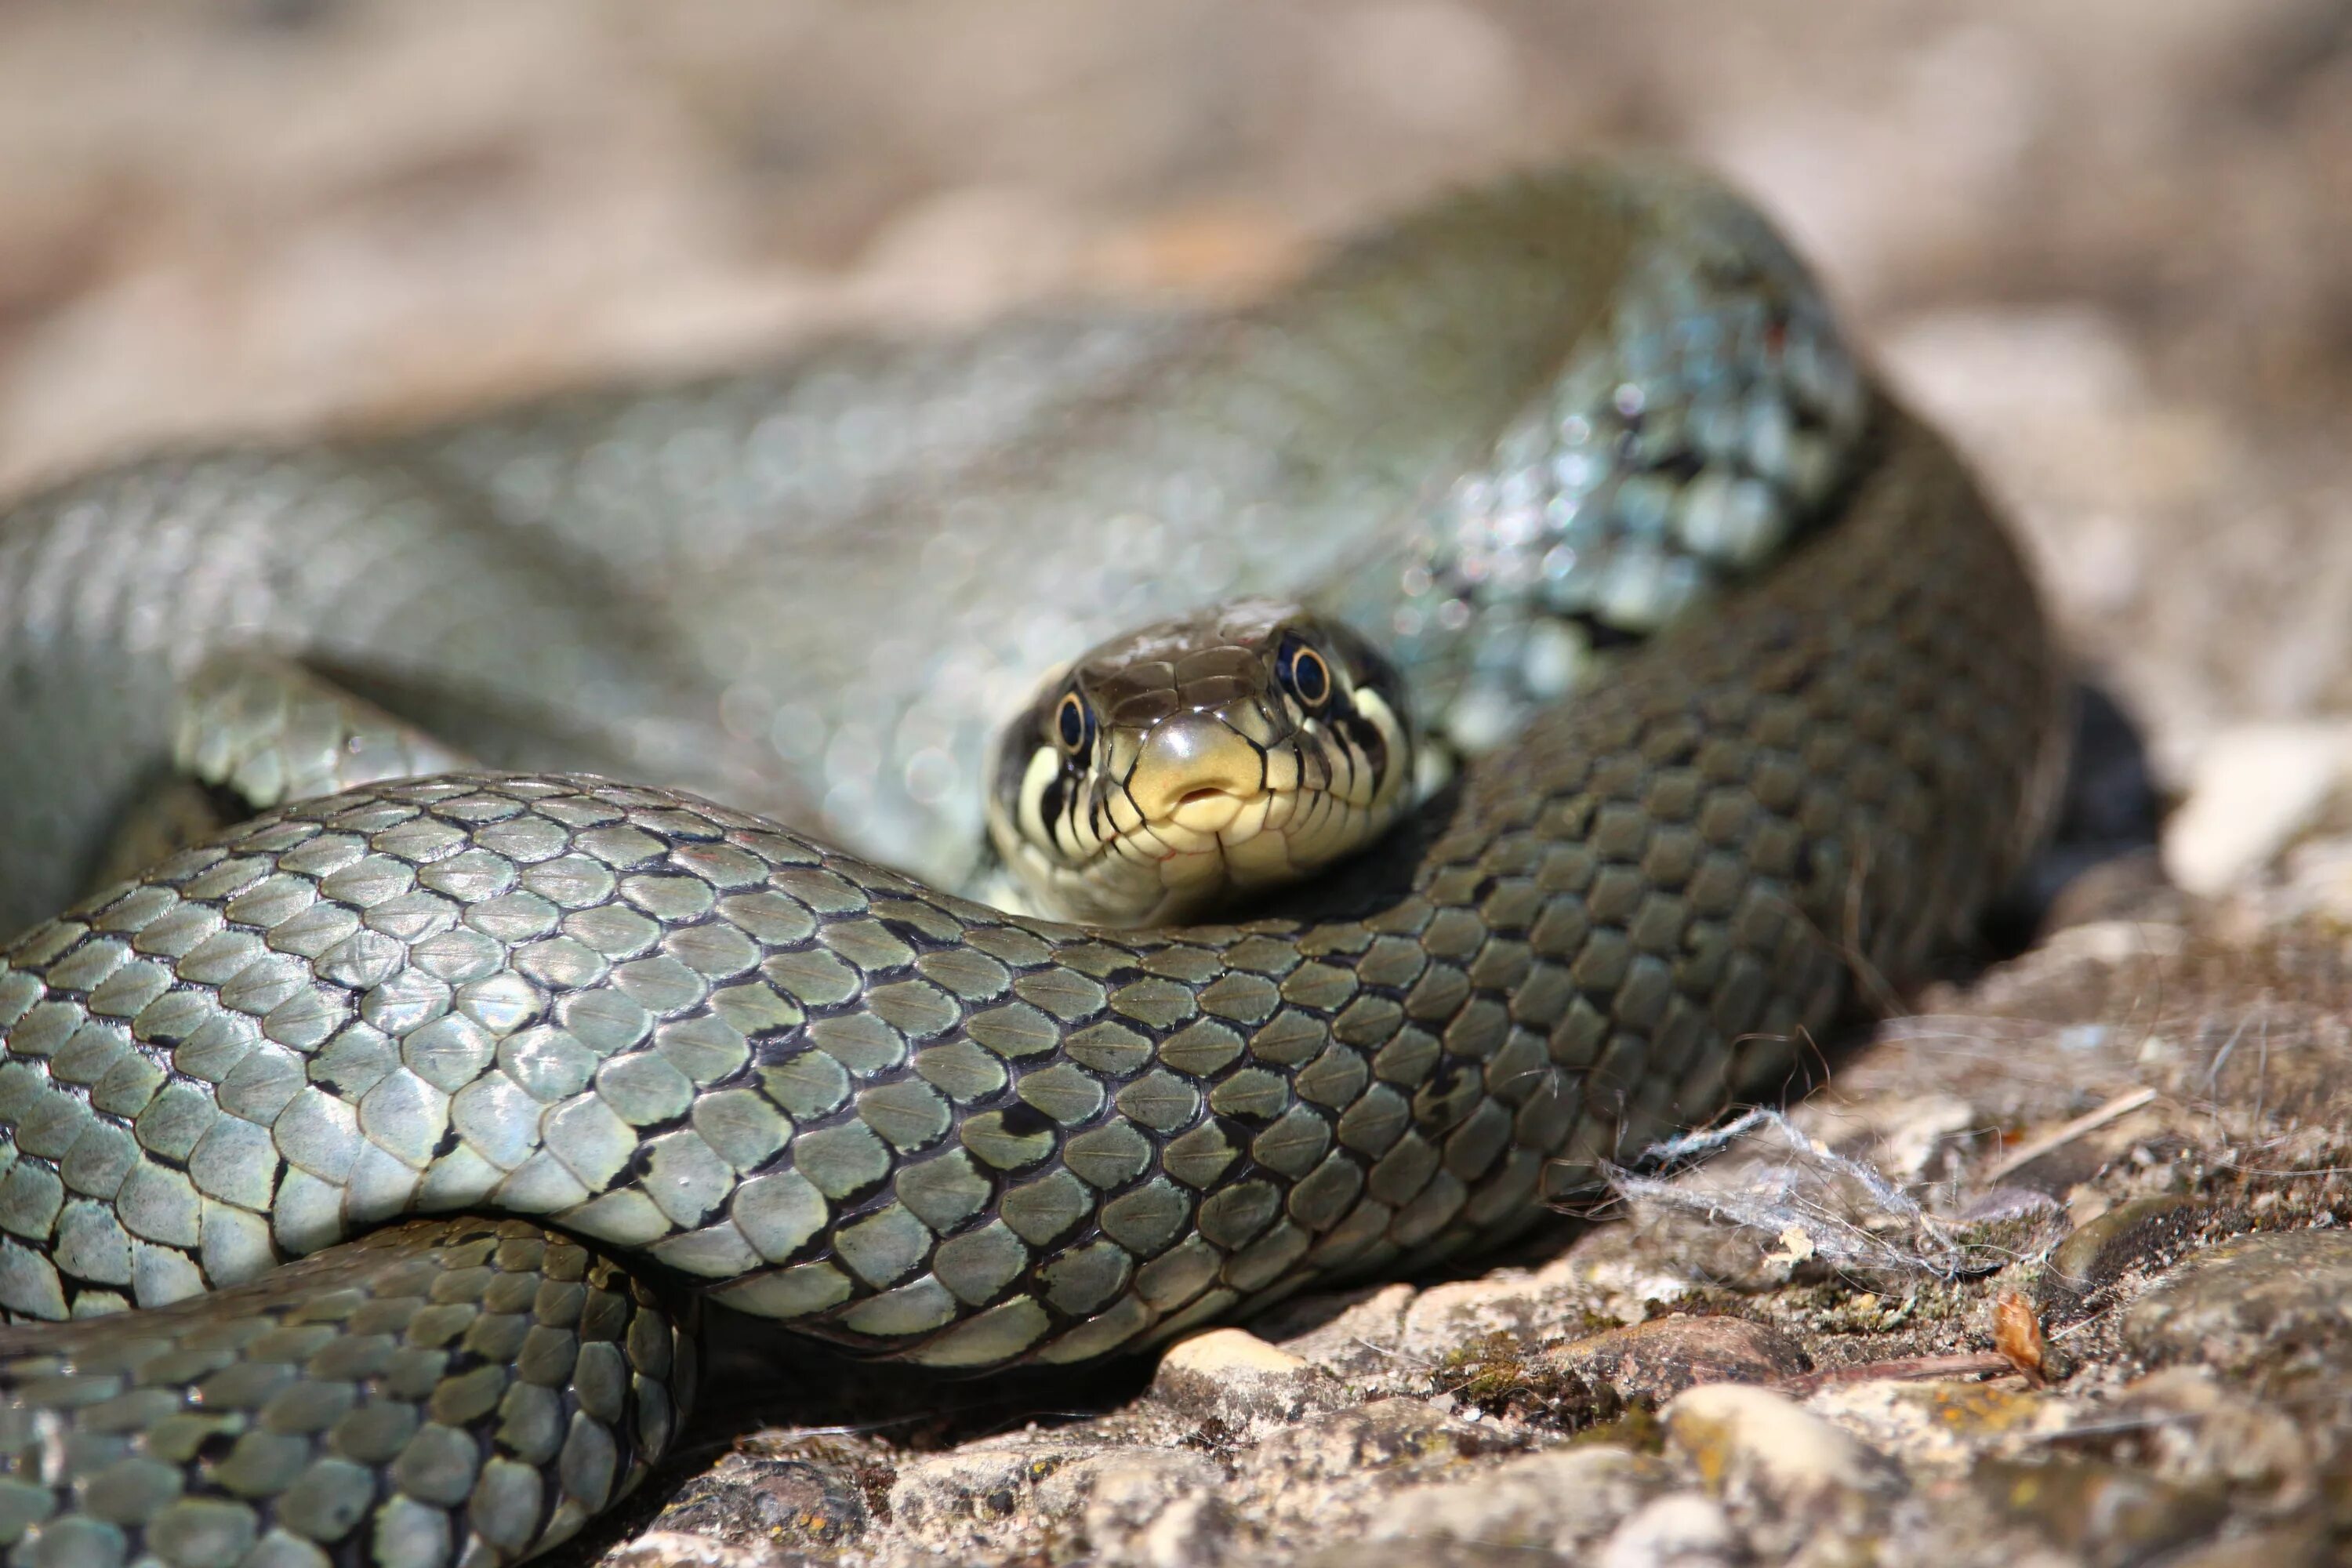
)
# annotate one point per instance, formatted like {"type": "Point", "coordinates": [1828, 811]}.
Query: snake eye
{"type": "Point", "coordinates": [1073, 724]}
{"type": "Point", "coordinates": [1304, 671]}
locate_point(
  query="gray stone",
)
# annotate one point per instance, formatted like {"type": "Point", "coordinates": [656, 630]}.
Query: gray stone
{"type": "Point", "coordinates": [2252, 1304]}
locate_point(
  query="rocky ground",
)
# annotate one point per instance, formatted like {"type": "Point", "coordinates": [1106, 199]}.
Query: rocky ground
{"type": "Point", "coordinates": [2054, 1271]}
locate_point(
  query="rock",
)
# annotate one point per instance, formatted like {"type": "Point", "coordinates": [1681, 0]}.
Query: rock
{"type": "Point", "coordinates": [2104, 1514]}
{"type": "Point", "coordinates": [1193, 1532]}
{"type": "Point", "coordinates": [985, 1483]}
{"type": "Point", "coordinates": [753, 1500]}
{"type": "Point", "coordinates": [1937, 1423]}
{"type": "Point", "coordinates": [1784, 1473]}
{"type": "Point", "coordinates": [1425, 1554]}
{"type": "Point", "coordinates": [1650, 1363]}
{"type": "Point", "coordinates": [1388, 1433]}
{"type": "Point", "coordinates": [1563, 1502]}
{"type": "Point", "coordinates": [1688, 1530]}
{"type": "Point", "coordinates": [1190, 1532]}
{"type": "Point", "coordinates": [2303, 1546]}
{"type": "Point", "coordinates": [1153, 1506]}
{"type": "Point", "coordinates": [1498, 1374]}
{"type": "Point", "coordinates": [682, 1549]}
{"type": "Point", "coordinates": [2218, 1435]}
{"type": "Point", "coordinates": [1241, 1382]}
{"type": "Point", "coordinates": [2252, 1304]}
{"type": "Point", "coordinates": [2084, 1266]}
{"type": "Point", "coordinates": [1345, 1335]}
{"type": "Point", "coordinates": [2253, 789]}
{"type": "Point", "coordinates": [1228, 1351]}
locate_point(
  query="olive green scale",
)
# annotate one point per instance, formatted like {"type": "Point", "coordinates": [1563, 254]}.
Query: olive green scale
{"type": "Point", "coordinates": [914, 1125]}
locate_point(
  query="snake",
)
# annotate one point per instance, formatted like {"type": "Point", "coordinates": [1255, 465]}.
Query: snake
{"type": "Point", "coordinates": [366, 1165]}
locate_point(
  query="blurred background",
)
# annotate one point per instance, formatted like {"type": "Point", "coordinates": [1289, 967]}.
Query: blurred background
{"type": "Point", "coordinates": [2109, 243]}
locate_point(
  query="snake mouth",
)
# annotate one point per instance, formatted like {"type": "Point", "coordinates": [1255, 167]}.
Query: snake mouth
{"type": "Point", "coordinates": [1205, 822]}
{"type": "Point", "coordinates": [1217, 840]}
{"type": "Point", "coordinates": [1211, 809]}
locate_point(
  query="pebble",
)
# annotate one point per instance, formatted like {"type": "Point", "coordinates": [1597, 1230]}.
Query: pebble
{"type": "Point", "coordinates": [2217, 1431]}
{"type": "Point", "coordinates": [1146, 1505]}
{"type": "Point", "coordinates": [1385, 1434]}
{"type": "Point", "coordinates": [1224, 1351]}
{"type": "Point", "coordinates": [2303, 1546]}
{"type": "Point", "coordinates": [984, 1481]}
{"type": "Point", "coordinates": [2005, 1223]}
{"type": "Point", "coordinates": [1783, 1472]}
{"type": "Point", "coordinates": [2252, 791]}
{"type": "Point", "coordinates": [1564, 1502]}
{"type": "Point", "coordinates": [1939, 1423]}
{"type": "Point", "coordinates": [678, 1548]}
{"type": "Point", "coordinates": [795, 1501]}
{"type": "Point", "coordinates": [2251, 1304]}
{"type": "Point", "coordinates": [1240, 1380]}
{"type": "Point", "coordinates": [1191, 1533]}
{"type": "Point", "coordinates": [2091, 1260]}
{"type": "Point", "coordinates": [2099, 1512]}
{"type": "Point", "coordinates": [1688, 1529]}
{"type": "Point", "coordinates": [1424, 1554]}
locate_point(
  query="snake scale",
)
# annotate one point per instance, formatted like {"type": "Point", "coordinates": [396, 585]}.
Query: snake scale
{"type": "Point", "coordinates": [645, 1045]}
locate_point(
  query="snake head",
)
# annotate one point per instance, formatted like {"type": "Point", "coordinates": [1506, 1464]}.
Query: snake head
{"type": "Point", "coordinates": [1174, 769]}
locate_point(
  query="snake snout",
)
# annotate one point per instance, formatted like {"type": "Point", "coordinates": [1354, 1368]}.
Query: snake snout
{"type": "Point", "coordinates": [1195, 772]}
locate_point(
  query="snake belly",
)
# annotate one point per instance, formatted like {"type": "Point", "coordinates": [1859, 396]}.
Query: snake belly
{"type": "Point", "coordinates": [813, 1088]}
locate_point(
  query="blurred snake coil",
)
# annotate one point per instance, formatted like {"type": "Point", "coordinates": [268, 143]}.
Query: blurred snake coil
{"type": "Point", "coordinates": [646, 1047]}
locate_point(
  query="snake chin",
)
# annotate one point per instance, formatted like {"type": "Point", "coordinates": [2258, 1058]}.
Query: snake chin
{"type": "Point", "coordinates": [1207, 856]}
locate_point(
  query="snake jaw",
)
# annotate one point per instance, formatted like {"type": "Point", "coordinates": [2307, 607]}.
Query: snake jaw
{"type": "Point", "coordinates": [1210, 843]}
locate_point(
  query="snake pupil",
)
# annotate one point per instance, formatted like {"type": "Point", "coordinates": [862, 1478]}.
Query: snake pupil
{"type": "Point", "coordinates": [1070, 722]}
{"type": "Point", "coordinates": [1307, 673]}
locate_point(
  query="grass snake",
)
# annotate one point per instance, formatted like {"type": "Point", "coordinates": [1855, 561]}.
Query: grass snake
{"type": "Point", "coordinates": [649, 1047]}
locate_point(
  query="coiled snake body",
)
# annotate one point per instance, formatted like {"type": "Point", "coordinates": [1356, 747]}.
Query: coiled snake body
{"type": "Point", "coordinates": [824, 1093]}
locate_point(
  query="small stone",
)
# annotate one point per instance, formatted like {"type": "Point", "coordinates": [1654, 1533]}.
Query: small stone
{"type": "Point", "coordinates": [2230, 1434]}
{"type": "Point", "coordinates": [2251, 1304]}
{"type": "Point", "coordinates": [2287, 1547]}
{"type": "Point", "coordinates": [676, 1549]}
{"type": "Point", "coordinates": [1190, 1532]}
{"type": "Point", "coordinates": [1157, 1506]}
{"type": "Point", "coordinates": [1688, 1530]}
{"type": "Point", "coordinates": [1385, 1434]}
{"type": "Point", "coordinates": [1784, 1471]}
{"type": "Point", "coordinates": [1241, 1380]}
{"type": "Point", "coordinates": [1564, 1502]}
{"type": "Point", "coordinates": [1939, 1423]}
{"type": "Point", "coordinates": [1651, 1363]}
{"type": "Point", "coordinates": [1223, 1350]}
{"type": "Point", "coordinates": [988, 1479]}
{"type": "Point", "coordinates": [2250, 792]}
{"type": "Point", "coordinates": [2096, 1511]}
{"type": "Point", "coordinates": [800, 1502]}
{"type": "Point", "coordinates": [2083, 1267]}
